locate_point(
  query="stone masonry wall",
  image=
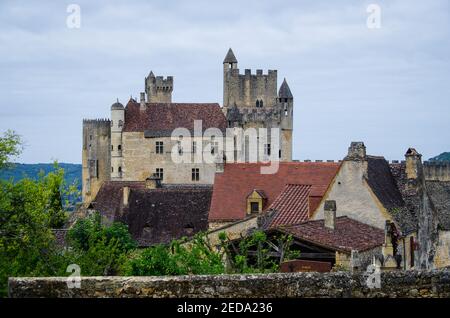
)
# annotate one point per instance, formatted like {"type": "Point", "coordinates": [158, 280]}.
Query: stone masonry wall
{"type": "Point", "coordinates": [415, 284]}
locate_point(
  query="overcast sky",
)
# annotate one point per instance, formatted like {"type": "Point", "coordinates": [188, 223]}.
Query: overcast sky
{"type": "Point", "coordinates": [388, 87]}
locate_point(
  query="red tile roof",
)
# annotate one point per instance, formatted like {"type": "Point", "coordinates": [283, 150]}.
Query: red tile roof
{"type": "Point", "coordinates": [232, 186]}
{"type": "Point", "coordinates": [162, 118]}
{"type": "Point", "coordinates": [291, 206]}
{"type": "Point", "coordinates": [347, 235]}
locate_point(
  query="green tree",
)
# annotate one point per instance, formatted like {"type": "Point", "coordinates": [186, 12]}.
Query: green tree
{"type": "Point", "coordinates": [10, 147]}
{"type": "Point", "coordinates": [99, 249]}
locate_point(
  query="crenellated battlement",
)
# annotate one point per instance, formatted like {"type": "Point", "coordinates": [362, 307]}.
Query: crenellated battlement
{"type": "Point", "coordinates": [158, 88]}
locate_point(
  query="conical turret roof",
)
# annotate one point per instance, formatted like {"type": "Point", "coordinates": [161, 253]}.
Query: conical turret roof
{"type": "Point", "coordinates": [285, 91]}
{"type": "Point", "coordinates": [230, 58]}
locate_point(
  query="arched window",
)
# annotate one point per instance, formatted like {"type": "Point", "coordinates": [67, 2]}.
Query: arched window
{"type": "Point", "coordinates": [257, 103]}
{"type": "Point", "coordinates": [261, 103]}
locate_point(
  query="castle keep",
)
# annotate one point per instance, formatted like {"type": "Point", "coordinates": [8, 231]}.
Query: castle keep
{"type": "Point", "coordinates": [137, 142]}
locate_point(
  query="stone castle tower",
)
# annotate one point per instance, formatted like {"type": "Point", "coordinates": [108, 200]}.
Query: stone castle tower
{"type": "Point", "coordinates": [96, 160]}
{"type": "Point", "coordinates": [251, 101]}
{"type": "Point", "coordinates": [158, 89]}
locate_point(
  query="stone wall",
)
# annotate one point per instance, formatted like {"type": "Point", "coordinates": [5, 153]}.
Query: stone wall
{"type": "Point", "coordinates": [416, 284]}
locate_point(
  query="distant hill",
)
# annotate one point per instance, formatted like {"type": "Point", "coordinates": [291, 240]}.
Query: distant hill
{"type": "Point", "coordinates": [445, 156]}
{"type": "Point", "coordinates": [18, 171]}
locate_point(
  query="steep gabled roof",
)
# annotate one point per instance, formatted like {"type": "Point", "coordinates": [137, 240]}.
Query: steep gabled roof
{"type": "Point", "coordinates": [347, 235]}
{"type": "Point", "coordinates": [238, 179]}
{"type": "Point", "coordinates": [291, 206]}
{"type": "Point", "coordinates": [439, 193]}
{"type": "Point", "coordinates": [156, 215]}
{"type": "Point", "coordinates": [382, 183]}
{"type": "Point", "coordinates": [160, 119]}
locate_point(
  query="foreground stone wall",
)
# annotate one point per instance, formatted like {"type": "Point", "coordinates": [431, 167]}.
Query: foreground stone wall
{"type": "Point", "coordinates": [340, 284]}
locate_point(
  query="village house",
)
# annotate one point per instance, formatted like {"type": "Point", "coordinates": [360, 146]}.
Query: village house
{"type": "Point", "coordinates": [244, 199]}
{"type": "Point", "coordinates": [413, 211]}
{"type": "Point", "coordinates": [155, 213]}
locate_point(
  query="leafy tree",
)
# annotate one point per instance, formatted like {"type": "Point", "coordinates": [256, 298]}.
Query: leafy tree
{"type": "Point", "coordinates": [10, 146]}
{"type": "Point", "coordinates": [99, 249]}
{"type": "Point", "coordinates": [197, 256]}
{"type": "Point", "coordinates": [29, 209]}
{"type": "Point", "coordinates": [179, 258]}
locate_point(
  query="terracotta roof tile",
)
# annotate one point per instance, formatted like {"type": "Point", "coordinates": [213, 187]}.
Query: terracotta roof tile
{"type": "Point", "coordinates": [232, 186]}
{"type": "Point", "coordinates": [291, 206]}
{"type": "Point", "coordinates": [348, 234]}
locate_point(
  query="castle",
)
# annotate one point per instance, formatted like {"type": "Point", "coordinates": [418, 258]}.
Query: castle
{"type": "Point", "coordinates": [137, 142]}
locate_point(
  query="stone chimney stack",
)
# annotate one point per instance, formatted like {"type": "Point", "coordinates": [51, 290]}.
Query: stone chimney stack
{"type": "Point", "coordinates": [126, 195]}
{"type": "Point", "coordinates": [414, 167]}
{"type": "Point", "coordinates": [153, 182]}
{"type": "Point", "coordinates": [330, 214]}
{"type": "Point", "coordinates": [356, 151]}
{"type": "Point", "coordinates": [143, 105]}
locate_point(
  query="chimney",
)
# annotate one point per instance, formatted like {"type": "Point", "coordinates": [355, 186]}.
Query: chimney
{"type": "Point", "coordinates": [356, 151]}
{"type": "Point", "coordinates": [413, 164]}
{"type": "Point", "coordinates": [126, 195]}
{"type": "Point", "coordinates": [153, 182]}
{"type": "Point", "coordinates": [143, 105]}
{"type": "Point", "coordinates": [330, 214]}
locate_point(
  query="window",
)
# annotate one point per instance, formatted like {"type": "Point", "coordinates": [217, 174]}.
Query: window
{"type": "Point", "coordinates": [90, 137]}
{"type": "Point", "coordinates": [257, 103]}
{"type": "Point", "coordinates": [120, 123]}
{"type": "Point", "coordinates": [195, 174]}
{"type": "Point", "coordinates": [159, 147]}
{"type": "Point", "coordinates": [279, 153]}
{"type": "Point", "coordinates": [261, 104]}
{"type": "Point", "coordinates": [112, 169]}
{"type": "Point", "coordinates": [160, 173]}
{"type": "Point", "coordinates": [214, 145]}
{"type": "Point", "coordinates": [119, 147]}
{"type": "Point", "coordinates": [254, 207]}
{"type": "Point", "coordinates": [112, 147]}
{"type": "Point", "coordinates": [411, 250]}
{"type": "Point", "coordinates": [194, 147]}
{"type": "Point", "coordinates": [120, 169]}
{"type": "Point", "coordinates": [267, 149]}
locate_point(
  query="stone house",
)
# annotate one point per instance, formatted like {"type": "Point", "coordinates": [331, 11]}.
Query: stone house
{"type": "Point", "coordinates": [154, 212]}
{"type": "Point", "coordinates": [244, 199]}
{"type": "Point", "coordinates": [397, 199]}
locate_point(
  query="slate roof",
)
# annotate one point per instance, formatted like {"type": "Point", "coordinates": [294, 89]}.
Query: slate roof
{"type": "Point", "coordinates": [347, 235]}
{"type": "Point", "coordinates": [230, 58]}
{"type": "Point", "coordinates": [382, 183]}
{"type": "Point", "coordinates": [232, 186]}
{"type": "Point", "coordinates": [156, 215]}
{"type": "Point", "coordinates": [160, 119]}
{"type": "Point", "coordinates": [439, 192]}
{"type": "Point", "coordinates": [291, 206]}
{"type": "Point", "coordinates": [405, 216]}
{"type": "Point", "coordinates": [285, 91]}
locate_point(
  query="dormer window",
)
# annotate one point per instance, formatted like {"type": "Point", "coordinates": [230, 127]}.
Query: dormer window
{"type": "Point", "coordinates": [256, 201]}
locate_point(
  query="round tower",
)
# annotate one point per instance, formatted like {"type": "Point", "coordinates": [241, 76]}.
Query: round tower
{"type": "Point", "coordinates": [117, 122]}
